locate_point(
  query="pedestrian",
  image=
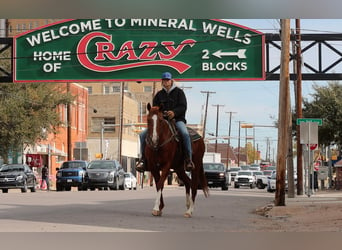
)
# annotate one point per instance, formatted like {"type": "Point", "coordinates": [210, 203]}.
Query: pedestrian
{"type": "Point", "coordinates": [174, 103]}
{"type": "Point", "coordinates": [45, 177]}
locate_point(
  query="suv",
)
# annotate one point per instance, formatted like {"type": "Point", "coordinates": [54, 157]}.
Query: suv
{"type": "Point", "coordinates": [217, 175]}
{"type": "Point", "coordinates": [71, 174]}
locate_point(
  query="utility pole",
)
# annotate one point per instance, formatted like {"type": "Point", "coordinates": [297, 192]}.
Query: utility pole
{"type": "Point", "coordinates": [229, 131]}
{"type": "Point", "coordinates": [217, 119]}
{"type": "Point", "coordinates": [206, 110]}
{"type": "Point", "coordinates": [299, 108]}
{"type": "Point", "coordinates": [284, 110]}
{"type": "Point", "coordinates": [121, 121]}
{"type": "Point", "coordinates": [69, 131]}
{"type": "Point", "coordinates": [239, 143]}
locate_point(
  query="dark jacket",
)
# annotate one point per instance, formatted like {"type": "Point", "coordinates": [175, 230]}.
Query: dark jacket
{"type": "Point", "coordinates": [175, 100]}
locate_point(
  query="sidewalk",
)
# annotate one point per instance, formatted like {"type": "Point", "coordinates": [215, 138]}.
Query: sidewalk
{"type": "Point", "coordinates": [319, 197]}
{"type": "Point", "coordinates": [321, 212]}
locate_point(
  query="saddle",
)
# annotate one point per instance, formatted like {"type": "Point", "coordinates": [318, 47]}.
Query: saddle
{"type": "Point", "coordinates": [194, 135]}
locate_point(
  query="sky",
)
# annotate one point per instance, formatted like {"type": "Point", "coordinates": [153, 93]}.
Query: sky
{"type": "Point", "coordinates": [255, 102]}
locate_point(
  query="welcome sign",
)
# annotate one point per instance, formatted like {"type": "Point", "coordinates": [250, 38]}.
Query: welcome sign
{"type": "Point", "coordinates": [139, 49]}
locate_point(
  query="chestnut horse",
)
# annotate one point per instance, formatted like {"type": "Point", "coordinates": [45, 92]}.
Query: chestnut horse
{"type": "Point", "coordinates": [164, 151]}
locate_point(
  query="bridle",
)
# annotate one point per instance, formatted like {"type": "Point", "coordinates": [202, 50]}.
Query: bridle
{"type": "Point", "coordinates": [154, 143]}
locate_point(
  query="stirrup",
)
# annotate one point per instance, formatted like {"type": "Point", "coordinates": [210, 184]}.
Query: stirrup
{"type": "Point", "coordinates": [189, 165]}
{"type": "Point", "coordinates": [140, 167]}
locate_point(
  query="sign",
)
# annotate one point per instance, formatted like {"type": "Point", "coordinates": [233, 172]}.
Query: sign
{"type": "Point", "coordinates": [315, 120]}
{"type": "Point", "coordinates": [309, 133]}
{"type": "Point", "coordinates": [139, 50]}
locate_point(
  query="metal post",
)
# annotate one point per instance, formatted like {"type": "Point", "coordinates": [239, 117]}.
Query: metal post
{"type": "Point", "coordinates": [101, 140]}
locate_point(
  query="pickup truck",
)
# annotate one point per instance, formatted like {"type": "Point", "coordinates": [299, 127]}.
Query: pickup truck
{"type": "Point", "coordinates": [244, 178]}
{"type": "Point", "coordinates": [262, 180]}
{"type": "Point", "coordinates": [71, 174]}
{"type": "Point", "coordinates": [217, 175]}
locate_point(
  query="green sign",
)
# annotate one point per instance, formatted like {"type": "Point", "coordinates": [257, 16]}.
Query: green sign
{"type": "Point", "coordinates": [315, 120]}
{"type": "Point", "coordinates": [139, 49]}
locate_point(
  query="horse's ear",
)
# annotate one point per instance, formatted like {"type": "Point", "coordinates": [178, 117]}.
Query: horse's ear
{"type": "Point", "coordinates": [148, 106]}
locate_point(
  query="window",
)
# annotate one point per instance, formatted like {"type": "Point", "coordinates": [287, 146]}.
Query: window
{"type": "Point", "coordinates": [106, 89]}
{"type": "Point", "coordinates": [90, 90]}
{"type": "Point", "coordinates": [109, 121]}
{"type": "Point", "coordinates": [148, 89]}
{"type": "Point", "coordinates": [116, 89]}
{"type": "Point", "coordinates": [96, 124]}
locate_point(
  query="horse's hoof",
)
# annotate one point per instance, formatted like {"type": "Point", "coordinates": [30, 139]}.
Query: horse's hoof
{"type": "Point", "coordinates": [187, 215]}
{"type": "Point", "coordinates": [156, 213]}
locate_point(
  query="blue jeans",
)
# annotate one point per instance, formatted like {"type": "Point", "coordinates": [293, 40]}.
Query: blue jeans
{"type": "Point", "coordinates": [181, 129]}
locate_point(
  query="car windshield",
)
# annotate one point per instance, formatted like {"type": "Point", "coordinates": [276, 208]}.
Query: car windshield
{"type": "Point", "coordinates": [217, 167]}
{"type": "Point", "coordinates": [234, 169]}
{"type": "Point", "coordinates": [127, 175]}
{"type": "Point", "coordinates": [73, 164]}
{"type": "Point", "coordinates": [244, 167]}
{"type": "Point", "coordinates": [244, 173]}
{"type": "Point", "coordinates": [101, 165]}
{"type": "Point", "coordinates": [12, 168]}
{"type": "Point", "coordinates": [257, 173]}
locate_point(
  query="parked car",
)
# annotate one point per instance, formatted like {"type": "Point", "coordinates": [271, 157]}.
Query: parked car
{"type": "Point", "coordinates": [272, 180]}
{"type": "Point", "coordinates": [262, 180]}
{"type": "Point", "coordinates": [257, 174]}
{"type": "Point", "coordinates": [71, 174]}
{"type": "Point", "coordinates": [130, 181]}
{"type": "Point", "coordinates": [217, 175]}
{"type": "Point", "coordinates": [244, 178]}
{"type": "Point", "coordinates": [233, 172]}
{"type": "Point", "coordinates": [17, 176]}
{"type": "Point", "coordinates": [103, 174]}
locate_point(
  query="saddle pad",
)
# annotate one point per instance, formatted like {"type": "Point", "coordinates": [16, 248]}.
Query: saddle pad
{"type": "Point", "coordinates": [193, 134]}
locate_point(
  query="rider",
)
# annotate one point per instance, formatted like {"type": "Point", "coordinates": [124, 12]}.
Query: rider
{"type": "Point", "coordinates": [174, 102]}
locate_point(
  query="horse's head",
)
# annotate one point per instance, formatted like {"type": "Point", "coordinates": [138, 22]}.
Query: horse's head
{"type": "Point", "coordinates": [154, 120]}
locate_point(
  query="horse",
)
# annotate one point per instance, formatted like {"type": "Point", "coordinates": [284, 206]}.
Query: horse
{"type": "Point", "coordinates": [164, 151]}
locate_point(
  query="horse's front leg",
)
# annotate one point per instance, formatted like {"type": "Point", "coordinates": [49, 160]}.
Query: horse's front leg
{"type": "Point", "coordinates": [157, 203]}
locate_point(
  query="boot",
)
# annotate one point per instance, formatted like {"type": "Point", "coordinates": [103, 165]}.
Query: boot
{"type": "Point", "coordinates": [189, 165]}
{"type": "Point", "coordinates": [140, 167]}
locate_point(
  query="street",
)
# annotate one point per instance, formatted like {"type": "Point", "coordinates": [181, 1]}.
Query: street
{"type": "Point", "coordinates": [130, 211]}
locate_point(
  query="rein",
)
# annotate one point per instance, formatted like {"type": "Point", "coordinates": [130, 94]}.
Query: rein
{"type": "Point", "coordinates": [150, 143]}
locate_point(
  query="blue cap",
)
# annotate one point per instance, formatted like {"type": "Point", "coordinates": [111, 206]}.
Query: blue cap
{"type": "Point", "coordinates": [166, 75]}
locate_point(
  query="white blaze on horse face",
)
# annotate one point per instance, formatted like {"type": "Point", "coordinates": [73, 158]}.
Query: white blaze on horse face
{"type": "Point", "coordinates": [154, 133]}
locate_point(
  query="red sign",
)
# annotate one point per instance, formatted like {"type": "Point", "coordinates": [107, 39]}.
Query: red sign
{"type": "Point", "coordinates": [313, 146]}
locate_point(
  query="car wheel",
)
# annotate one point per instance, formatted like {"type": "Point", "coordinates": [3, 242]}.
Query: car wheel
{"type": "Point", "coordinates": [67, 188]}
{"type": "Point", "coordinates": [59, 188]}
{"type": "Point", "coordinates": [224, 186]}
{"type": "Point", "coordinates": [33, 188]}
{"type": "Point", "coordinates": [24, 189]}
{"type": "Point", "coordinates": [236, 186]}
{"type": "Point", "coordinates": [5, 190]}
{"type": "Point", "coordinates": [116, 186]}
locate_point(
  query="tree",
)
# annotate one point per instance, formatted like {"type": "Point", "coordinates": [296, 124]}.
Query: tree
{"type": "Point", "coordinates": [326, 104]}
{"type": "Point", "coordinates": [26, 110]}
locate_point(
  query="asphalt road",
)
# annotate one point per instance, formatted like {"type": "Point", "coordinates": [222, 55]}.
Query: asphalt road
{"type": "Point", "coordinates": [129, 211]}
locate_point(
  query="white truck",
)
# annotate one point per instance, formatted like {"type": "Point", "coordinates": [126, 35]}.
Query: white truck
{"type": "Point", "coordinates": [262, 180]}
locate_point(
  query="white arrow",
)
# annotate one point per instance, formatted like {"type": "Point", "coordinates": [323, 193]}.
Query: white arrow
{"type": "Point", "coordinates": [240, 53]}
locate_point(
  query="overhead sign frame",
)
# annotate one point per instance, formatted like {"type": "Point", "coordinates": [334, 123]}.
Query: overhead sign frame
{"type": "Point", "coordinates": [139, 50]}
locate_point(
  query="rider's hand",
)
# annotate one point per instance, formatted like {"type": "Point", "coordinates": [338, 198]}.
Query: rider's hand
{"type": "Point", "coordinates": [170, 114]}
